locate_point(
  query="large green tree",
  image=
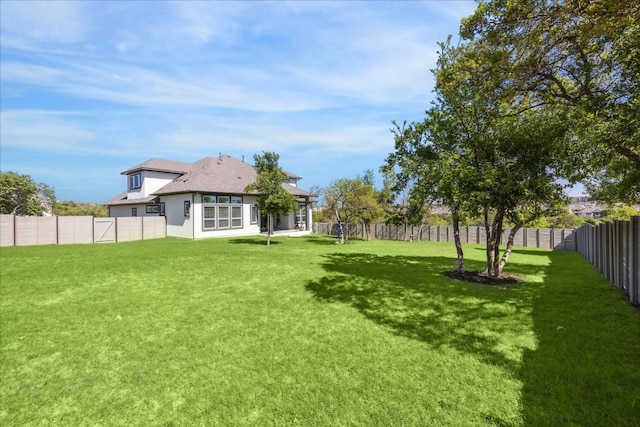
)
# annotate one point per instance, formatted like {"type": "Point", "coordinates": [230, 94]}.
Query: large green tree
{"type": "Point", "coordinates": [584, 54]}
{"type": "Point", "coordinates": [273, 199]}
{"type": "Point", "coordinates": [20, 195]}
{"type": "Point", "coordinates": [473, 156]}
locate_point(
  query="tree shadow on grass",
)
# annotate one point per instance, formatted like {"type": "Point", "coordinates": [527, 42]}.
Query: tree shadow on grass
{"type": "Point", "coordinates": [322, 240]}
{"type": "Point", "coordinates": [259, 241]}
{"type": "Point", "coordinates": [584, 370]}
{"type": "Point", "coordinates": [570, 337]}
{"type": "Point", "coordinates": [410, 295]}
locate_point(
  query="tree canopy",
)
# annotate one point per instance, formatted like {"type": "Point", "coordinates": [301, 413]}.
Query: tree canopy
{"type": "Point", "coordinates": [473, 156]}
{"type": "Point", "coordinates": [584, 54]}
{"type": "Point", "coordinates": [20, 195]}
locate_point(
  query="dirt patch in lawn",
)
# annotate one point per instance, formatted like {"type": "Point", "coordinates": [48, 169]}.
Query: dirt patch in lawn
{"type": "Point", "coordinates": [483, 278]}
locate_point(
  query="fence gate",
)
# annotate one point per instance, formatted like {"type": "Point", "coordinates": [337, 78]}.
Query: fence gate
{"type": "Point", "coordinates": [104, 230]}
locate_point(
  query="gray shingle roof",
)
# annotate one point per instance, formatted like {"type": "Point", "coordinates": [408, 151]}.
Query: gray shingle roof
{"type": "Point", "coordinates": [223, 174]}
{"type": "Point", "coordinates": [160, 165]}
{"type": "Point", "coordinates": [121, 199]}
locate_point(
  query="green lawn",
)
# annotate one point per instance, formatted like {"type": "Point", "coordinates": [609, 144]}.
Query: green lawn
{"type": "Point", "coordinates": [307, 332]}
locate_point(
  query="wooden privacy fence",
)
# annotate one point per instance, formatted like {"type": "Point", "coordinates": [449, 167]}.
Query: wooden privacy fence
{"type": "Point", "coordinates": [614, 249]}
{"type": "Point", "coordinates": [551, 238]}
{"type": "Point", "coordinates": [61, 230]}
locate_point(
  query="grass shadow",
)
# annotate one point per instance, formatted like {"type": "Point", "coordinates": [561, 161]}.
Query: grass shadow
{"type": "Point", "coordinates": [252, 240]}
{"type": "Point", "coordinates": [322, 240]}
{"type": "Point", "coordinates": [584, 370]}
{"type": "Point", "coordinates": [409, 295]}
{"type": "Point", "coordinates": [541, 252]}
{"type": "Point", "coordinates": [566, 333]}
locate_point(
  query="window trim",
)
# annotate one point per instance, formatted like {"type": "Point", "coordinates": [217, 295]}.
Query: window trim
{"type": "Point", "coordinates": [254, 214]}
{"type": "Point", "coordinates": [301, 214]}
{"type": "Point", "coordinates": [206, 218]}
{"type": "Point", "coordinates": [229, 219]}
{"type": "Point", "coordinates": [135, 181]}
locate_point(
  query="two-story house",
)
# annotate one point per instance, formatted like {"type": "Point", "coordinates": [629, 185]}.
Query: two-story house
{"type": "Point", "coordinates": [205, 198]}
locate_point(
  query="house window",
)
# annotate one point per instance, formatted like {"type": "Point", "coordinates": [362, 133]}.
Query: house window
{"type": "Point", "coordinates": [223, 219]}
{"type": "Point", "coordinates": [187, 208]}
{"type": "Point", "coordinates": [135, 181]}
{"type": "Point", "coordinates": [162, 209]}
{"type": "Point", "coordinates": [209, 217]}
{"type": "Point", "coordinates": [254, 214]}
{"type": "Point", "coordinates": [208, 198]}
{"type": "Point", "coordinates": [236, 216]}
{"type": "Point", "coordinates": [221, 212]}
{"type": "Point", "coordinates": [134, 211]}
{"type": "Point", "coordinates": [153, 209]}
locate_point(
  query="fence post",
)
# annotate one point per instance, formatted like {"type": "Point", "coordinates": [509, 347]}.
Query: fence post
{"type": "Point", "coordinates": [620, 254]}
{"type": "Point", "coordinates": [634, 241]}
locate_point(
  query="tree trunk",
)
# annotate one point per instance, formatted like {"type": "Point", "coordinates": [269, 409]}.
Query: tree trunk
{"type": "Point", "coordinates": [493, 242]}
{"type": "Point", "coordinates": [269, 226]}
{"type": "Point", "coordinates": [489, 243]}
{"type": "Point", "coordinates": [509, 248]}
{"type": "Point", "coordinates": [512, 234]}
{"type": "Point", "coordinates": [456, 239]}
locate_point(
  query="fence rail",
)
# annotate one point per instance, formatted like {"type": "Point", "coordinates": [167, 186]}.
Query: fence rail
{"type": "Point", "coordinates": [61, 230]}
{"type": "Point", "coordinates": [558, 239]}
{"type": "Point", "coordinates": [614, 249]}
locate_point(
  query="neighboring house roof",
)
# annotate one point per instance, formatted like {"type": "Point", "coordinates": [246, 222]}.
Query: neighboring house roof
{"type": "Point", "coordinates": [160, 165]}
{"type": "Point", "coordinates": [223, 174]}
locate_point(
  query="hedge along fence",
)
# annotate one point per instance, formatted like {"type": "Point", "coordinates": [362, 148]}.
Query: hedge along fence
{"type": "Point", "coordinates": [614, 249]}
{"type": "Point", "coordinates": [551, 238]}
{"type": "Point", "coordinates": [61, 230]}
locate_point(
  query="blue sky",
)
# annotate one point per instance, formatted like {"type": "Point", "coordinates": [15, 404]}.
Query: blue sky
{"type": "Point", "coordinates": [89, 89]}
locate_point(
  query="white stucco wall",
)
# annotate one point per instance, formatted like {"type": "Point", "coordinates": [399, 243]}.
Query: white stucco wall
{"type": "Point", "coordinates": [151, 181]}
{"type": "Point", "coordinates": [177, 224]}
{"type": "Point", "coordinates": [125, 210]}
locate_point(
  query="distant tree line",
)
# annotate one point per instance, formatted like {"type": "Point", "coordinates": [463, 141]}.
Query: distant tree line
{"type": "Point", "coordinates": [21, 195]}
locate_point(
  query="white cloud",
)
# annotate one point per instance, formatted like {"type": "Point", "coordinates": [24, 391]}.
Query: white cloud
{"type": "Point", "coordinates": [69, 133]}
{"type": "Point", "coordinates": [323, 56]}
{"type": "Point", "coordinates": [204, 22]}
{"type": "Point", "coordinates": [46, 21]}
{"type": "Point", "coordinates": [42, 130]}
{"type": "Point", "coordinates": [317, 82]}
